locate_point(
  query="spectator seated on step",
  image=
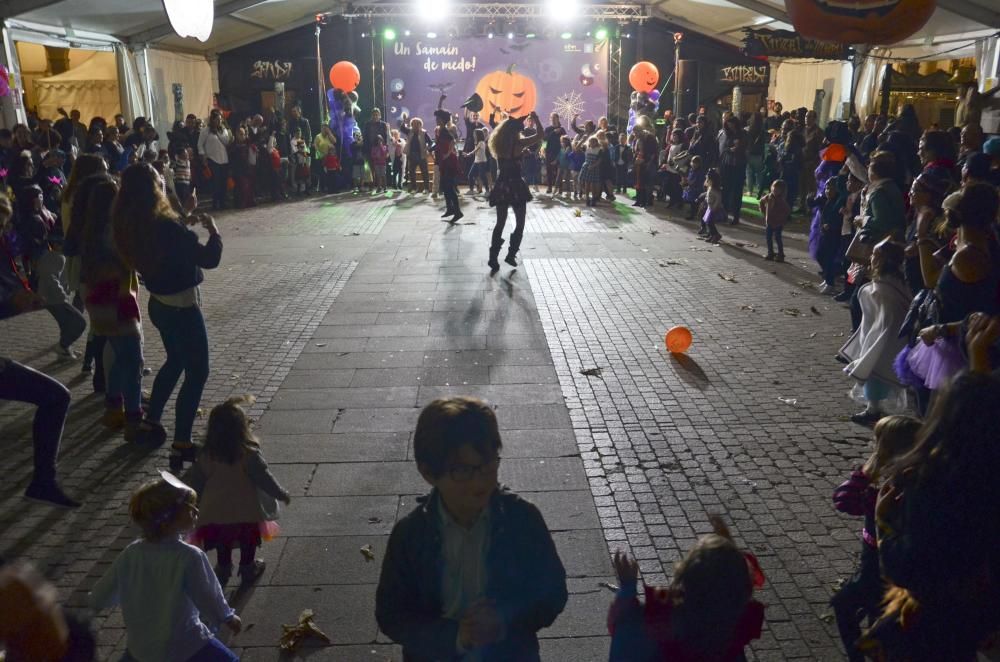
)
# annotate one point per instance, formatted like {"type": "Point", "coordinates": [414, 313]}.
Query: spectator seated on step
{"type": "Point", "coordinates": [471, 572]}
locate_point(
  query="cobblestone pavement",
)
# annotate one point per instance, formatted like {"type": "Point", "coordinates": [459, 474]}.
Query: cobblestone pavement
{"type": "Point", "coordinates": [345, 314]}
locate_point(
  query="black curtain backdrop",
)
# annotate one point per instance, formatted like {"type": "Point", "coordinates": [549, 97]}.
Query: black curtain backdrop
{"type": "Point", "coordinates": [339, 40]}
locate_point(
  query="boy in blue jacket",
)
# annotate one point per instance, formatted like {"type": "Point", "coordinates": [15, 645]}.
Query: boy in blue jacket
{"type": "Point", "coordinates": [471, 573]}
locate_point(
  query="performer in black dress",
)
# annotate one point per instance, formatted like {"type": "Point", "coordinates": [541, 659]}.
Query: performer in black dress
{"type": "Point", "coordinates": [510, 189]}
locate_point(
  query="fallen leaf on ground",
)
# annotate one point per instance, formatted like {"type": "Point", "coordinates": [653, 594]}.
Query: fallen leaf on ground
{"type": "Point", "coordinates": [321, 344]}
{"type": "Point", "coordinates": [789, 401]}
{"type": "Point", "coordinates": [608, 585]}
{"type": "Point", "coordinates": [367, 552]}
{"type": "Point", "coordinates": [374, 520]}
{"type": "Point", "coordinates": [812, 335]}
{"type": "Point", "coordinates": [806, 284]}
{"type": "Point", "coordinates": [747, 306]}
{"type": "Point", "coordinates": [292, 635]}
{"type": "Point", "coordinates": [794, 312]}
{"type": "Point", "coordinates": [814, 310]}
{"type": "Point", "coordinates": [670, 263]}
{"type": "Point", "coordinates": [591, 372]}
{"type": "Point", "coordinates": [200, 412]}
{"type": "Point", "coordinates": [839, 335]}
{"type": "Point", "coordinates": [730, 277]}
{"type": "Point", "coordinates": [654, 232]}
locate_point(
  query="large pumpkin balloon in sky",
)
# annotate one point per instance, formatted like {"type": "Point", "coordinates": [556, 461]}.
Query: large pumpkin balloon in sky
{"type": "Point", "coordinates": [508, 91]}
{"type": "Point", "coordinates": [345, 76]}
{"type": "Point", "coordinates": [859, 21]}
{"type": "Point", "coordinates": [643, 76]}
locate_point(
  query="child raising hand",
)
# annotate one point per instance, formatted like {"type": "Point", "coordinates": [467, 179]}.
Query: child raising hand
{"type": "Point", "coordinates": [706, 614]}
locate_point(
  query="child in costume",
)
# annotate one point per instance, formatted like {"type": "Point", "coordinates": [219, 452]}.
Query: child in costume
{"type": "Point", "coordinates": [171, 602]}
{"type": "Point", "coordinates": [715, 211]}
{"type": "Point", "coordinates": [694, 185]}
{"type": "Point", "coordinates": [774, 207]}
{"type": "Point", "coordinates": [862, 594]}
{"type": "Point", "coordinates": [707, 613]}
{"type": "Point", "coordinates": [238, 492]}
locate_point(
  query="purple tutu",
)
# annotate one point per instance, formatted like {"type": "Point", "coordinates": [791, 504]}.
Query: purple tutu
{"type": "Point", "coordinates": [929, 366]}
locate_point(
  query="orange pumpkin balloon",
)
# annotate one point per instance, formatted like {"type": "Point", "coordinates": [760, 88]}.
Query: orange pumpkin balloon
{"type": "Point", "coordinates": [678, 339]}
{"type": "Point", "coordinates": [507, 91]}
{"type": "Point", "coordinates": [643, 76]}
{"type": "Point", "coordinates": [345, 76]}
{"type": "Point", "coordinates": [859, 21]}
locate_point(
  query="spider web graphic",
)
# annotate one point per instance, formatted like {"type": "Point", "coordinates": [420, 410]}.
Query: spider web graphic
{"type": "Point", "coordinates": [569, 105]}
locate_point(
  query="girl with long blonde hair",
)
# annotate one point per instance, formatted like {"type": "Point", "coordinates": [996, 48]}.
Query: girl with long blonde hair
{"type": "Point", "coordinates": [510, 189]}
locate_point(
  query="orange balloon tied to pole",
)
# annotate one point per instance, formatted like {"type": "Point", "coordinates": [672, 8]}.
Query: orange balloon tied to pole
{"type": "Point", "coordinates": [678, 339]}
{"type": "Point", "coordinates": [643, 76]}
{"type": "Point", "coordinates": [345, 76]}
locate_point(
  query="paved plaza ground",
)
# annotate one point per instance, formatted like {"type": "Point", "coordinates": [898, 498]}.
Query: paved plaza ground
{"type": "Point", "coordinates": [345, 314]}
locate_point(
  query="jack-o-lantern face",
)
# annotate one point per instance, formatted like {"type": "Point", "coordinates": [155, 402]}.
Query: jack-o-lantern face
{"type": "Point", "coordinates": [507, 91]}
{"type": "Point", "coordinates": [859, 21]}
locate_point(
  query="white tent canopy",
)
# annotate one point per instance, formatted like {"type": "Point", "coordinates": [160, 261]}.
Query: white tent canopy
{"type": "Point", "coordinates": [237, 22]}
{"type": "Point", "coordinates": [91, 87]}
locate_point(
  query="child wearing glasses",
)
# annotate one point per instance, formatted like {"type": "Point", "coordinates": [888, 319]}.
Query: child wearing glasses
{"type": "Point", "coordinates": [472, 572]}
{"type": "Point", "coordinates": [171, 601]}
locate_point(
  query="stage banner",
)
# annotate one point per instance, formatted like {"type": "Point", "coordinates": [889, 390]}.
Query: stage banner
{"type": "Point", "coordinates": [566, 76]}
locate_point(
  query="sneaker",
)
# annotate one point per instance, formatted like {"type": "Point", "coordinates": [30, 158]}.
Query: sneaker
{"type": "Point", "coordinates": [66, 353]}
{"type": "Point", "coordinates": [867, 417]}
{"type": "Point", "coordinates": [145, 432]}
{"type": "Point", "coordinates": [251, 572]}
{"type": "Point", "coordinates": [769, 257]}
{"type": "Point", "coordinates": [779, 258]}
{"type": "Point", "coordinates": [49, 494]}
{"type": "Point", "coordinates": [825, 288]}
{"type": "Point", "coordinates": [843, 297]}
{"type": "Point", "coordinates": [223, 573]}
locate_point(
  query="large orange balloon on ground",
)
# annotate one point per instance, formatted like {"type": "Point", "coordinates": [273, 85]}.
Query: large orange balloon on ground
{"type": "Point", "coordinates": [859, 21]}
{"type": "Point", "coordinates": [509, 91]}
{"type": "Point", "coordinates": [345, 76]}
{"type": "Point", "coordinates": [643, 76]}
{"type": "Point", "coordinates": [678, 339]}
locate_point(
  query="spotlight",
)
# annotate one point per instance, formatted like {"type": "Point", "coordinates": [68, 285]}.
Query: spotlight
{"type": "Point", "coordinates": [389, 34]}
{"type": "Point", "coordinates": [406, 33]}
{"type": "Point", "coordinates": [363, 35]}
{"type": "Point", "coordinates": [489, 35]}
{"type": "Point", "coordinates": [601, 34]}
{"type": "Point", "coordinates": [566, 35]}
{"type": "Point", "coordinates": [530, 35]}
{"type": "Point", "coordinates": [432, 35]}
{"type": "Point", "coordinates": [510, 35]}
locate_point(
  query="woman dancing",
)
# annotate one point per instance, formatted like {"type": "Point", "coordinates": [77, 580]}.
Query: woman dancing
{"type": "Point", "coordinates": [510, 190]}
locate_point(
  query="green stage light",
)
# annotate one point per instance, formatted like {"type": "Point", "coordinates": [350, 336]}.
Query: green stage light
{"type": "Point", "coordinates": [530, 35]}
{"type": "Point", "coordinates": [566, 35]}
{"type": "Point", "coordinates": [389, 34]}
{"type": "Point", "coordinates": [601, 34]}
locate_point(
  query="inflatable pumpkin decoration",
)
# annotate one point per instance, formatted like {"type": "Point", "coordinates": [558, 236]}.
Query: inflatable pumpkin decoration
{"type": "Point", "coordinates": [508, 91]}
{"type": "Point", "coordinates": [859, 21]}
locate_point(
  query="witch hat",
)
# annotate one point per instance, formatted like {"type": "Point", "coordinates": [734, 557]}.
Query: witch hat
{"type": "Point", "coordinates": [473, 103]}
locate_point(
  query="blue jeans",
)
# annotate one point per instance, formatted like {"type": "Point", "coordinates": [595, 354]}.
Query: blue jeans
{"type": "Point", "coordinates": [23, 384]}
{"type": "Point", "coordinates": [774, 235]}
{"type": "Point", "coordinates": [125, 373]}
{"type": "Point", "coordinates": [185, 340]}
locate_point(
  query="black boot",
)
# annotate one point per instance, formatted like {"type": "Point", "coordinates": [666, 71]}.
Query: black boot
{"type": "Point", "coordinates": [515, 245]}
{"type": "Point", "coordinates": [494, 252]}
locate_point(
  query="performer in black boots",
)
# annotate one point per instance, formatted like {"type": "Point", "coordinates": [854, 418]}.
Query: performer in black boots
{"type": "Point", "coordinates": [446, 160]}
{"type": "Point", "coordinates": [510, 189]}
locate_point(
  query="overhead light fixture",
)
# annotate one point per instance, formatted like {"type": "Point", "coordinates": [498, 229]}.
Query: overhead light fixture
{"type": "Point", "coordinates": [191, 18]}
{"type": "Point", "coordinates": [510, 35]}
{"type": "Point", "coordinates": [406, 33]}
{"type": "Point", "coordinates": [566, 35]}
{"type": "Point", "coordinates": [389, 34]}
{"type": "Point", "coordinates": [601, 34]}
{"type": "Point", "coordinates": [530, 35]}
{"type": "Point", "coordinates": [562, 10]}
{"type": "Point", "coordinates": [489, 35]}
{"type": "Point", "coordinates": [432, 35]}
{"type": "Point", "coordinates": [364, 34]}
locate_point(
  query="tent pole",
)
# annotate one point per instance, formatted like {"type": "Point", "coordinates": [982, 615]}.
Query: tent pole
{"type": "Point", "coordinates": [320, 84]}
